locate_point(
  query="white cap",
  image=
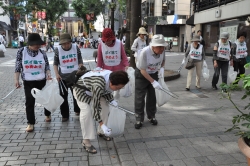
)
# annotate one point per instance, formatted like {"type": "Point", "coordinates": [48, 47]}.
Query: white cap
{"type": "Point", "coordinates": [158, 40]}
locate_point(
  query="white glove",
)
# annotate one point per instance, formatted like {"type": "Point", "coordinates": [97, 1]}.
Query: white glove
{"type": "Point", "coordinates": [106, 130]}
{"type": "Point", "coordinates": [161, 72]}
{"type": "Point", "coordinates": [245, 54]}
{"type": "Point", "coordinates": [156, 85]}
{"type": "Point", "coordinates": [183, 61]}
{"type": "Point", "coordinates": [114, 103]}
{"type": "Point", "coordinates": [204, 64]}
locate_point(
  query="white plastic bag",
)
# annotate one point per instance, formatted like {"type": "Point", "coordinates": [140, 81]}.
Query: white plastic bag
{"type": "Point", "coordinates": [49, 96]}
{"type": "Point", "coordinates": [129, 88]}
{"type": "Point", "coordinates": [116, 121]}
{"type": "Point", "coordinates": [161, 96]}
{"type": "Point", "coordinates": [231, 74]}
{"type": "Point", "coordinates": [205, 73]}
{"type": "Point", "coordinates": [2, 48]}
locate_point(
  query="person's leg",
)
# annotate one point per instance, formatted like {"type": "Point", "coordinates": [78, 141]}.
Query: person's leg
{"type": "Point", "coordinates": [151, 101]}
{"type": "Point", "coordinates": [216, 75]}
{"type": "Point", "coordinates": [241, 69]}
{"type": "Point", "coordinates": [236, 68]}
{"type": "Point", "coordinates": [141, 85]}
{"type": "Point", "coordinates": [189, 78]}
{"type": "Point", "coordinates": [198, 66]}
{"type": "Point", "coordinates": [65, 105]}
{"type": "Point", "coordinates": [224, 71]}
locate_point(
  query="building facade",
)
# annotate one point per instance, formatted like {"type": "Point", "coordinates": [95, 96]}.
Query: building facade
{"type": "Point", "coordinates": [214, 17]}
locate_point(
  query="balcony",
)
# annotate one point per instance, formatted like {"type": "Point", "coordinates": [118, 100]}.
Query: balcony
{"type": "Point", "coordinates": [200, 5]}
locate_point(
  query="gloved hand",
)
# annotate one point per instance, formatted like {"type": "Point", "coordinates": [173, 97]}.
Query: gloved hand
{"type": "Point", "coordinates": [114, 103]}
{"type": "Point", "coordinates": [245, 54]}
{"type": "Point", "coordinates": [204, 64]}
{"type": "Point", "coordinates": [161, 72]}
{"type": "Point", "coordinates": [106, 130]}
{"type": "Point", "coordinates": [156, 85]}
{"type": "Point", "coordinates": [183, 61]}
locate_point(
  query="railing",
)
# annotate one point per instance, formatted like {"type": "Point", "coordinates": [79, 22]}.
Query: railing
{"type": "Point", "coordinates": [200, 5]}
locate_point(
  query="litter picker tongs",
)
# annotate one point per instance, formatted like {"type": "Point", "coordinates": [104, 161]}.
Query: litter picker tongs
{"type": "Point", "coordinates": [61, 85]}
{"type": "Point", "coordinates": [123, 109]}
{"type": "Point", "coordinates": [169, 93]}
{"type": "Point", "coordinates": [179, 70]}
{"type": "Point", "coordinates": [2, 99]}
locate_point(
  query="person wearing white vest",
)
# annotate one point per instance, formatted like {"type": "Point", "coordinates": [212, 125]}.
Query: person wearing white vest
{"type": "Point", "coordinates": [151, 59]}
{"type": "Point", "coordinates": [32, 63]}
{"type": "Point", "coordinates": [92, 92]}
{"type": "Point", "coordinates": [239, 53]}
{"type": "Point", "coordinates": [67, 59]}
{"type": "Point", "coordinates": [221, 58]}
{"type": "Point", "coordinates": [139, 42]}
{"type": "Point", "coordinates": [196, 54]}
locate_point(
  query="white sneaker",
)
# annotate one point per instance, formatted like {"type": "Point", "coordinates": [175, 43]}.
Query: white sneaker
{"type": "Point", "coordinates": [30, 128]}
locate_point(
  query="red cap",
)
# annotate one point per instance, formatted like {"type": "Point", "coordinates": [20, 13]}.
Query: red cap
{"type": "Point", "coordinates": [107, 34]}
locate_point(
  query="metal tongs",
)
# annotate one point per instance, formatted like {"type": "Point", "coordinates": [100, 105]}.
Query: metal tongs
{"type": "Point", "coordinates": [2, 99]}
{"type": "Point", "coordinates": [61, 85]}
{"type": "Point", "coordinates": [123, 109]}
{"type": "Point", "coordinates": [179, 70]}
{"type": "Point", "coordinates": [169, 93]}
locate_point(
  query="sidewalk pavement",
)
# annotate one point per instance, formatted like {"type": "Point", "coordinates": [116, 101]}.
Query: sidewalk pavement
{"type": "Point", "coordinates": [189, 132]}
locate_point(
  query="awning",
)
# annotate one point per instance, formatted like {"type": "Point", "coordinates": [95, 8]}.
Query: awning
{"type": "Point", "coordinates": [4, 26]}
{"type": "Point", "coordinates": [190, 21]}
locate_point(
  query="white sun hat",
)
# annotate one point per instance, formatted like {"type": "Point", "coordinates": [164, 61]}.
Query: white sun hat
{"type": "Point", "coordinates": [158, 40]}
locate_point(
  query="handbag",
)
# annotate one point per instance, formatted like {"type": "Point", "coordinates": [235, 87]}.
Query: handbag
{"type": "Point", "coordinates": [189, 64]}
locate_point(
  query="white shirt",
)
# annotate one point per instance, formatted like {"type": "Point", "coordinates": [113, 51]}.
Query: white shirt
{"type": "Point", "coordinates": [1, 38]}
{"type": "Point", "coordinates": [21, 39]}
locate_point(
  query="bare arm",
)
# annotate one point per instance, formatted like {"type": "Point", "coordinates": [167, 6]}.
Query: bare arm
{"type": "Point", "coordinates": [146, 75]}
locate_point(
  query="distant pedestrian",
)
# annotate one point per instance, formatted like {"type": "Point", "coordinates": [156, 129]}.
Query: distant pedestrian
{"type": "Point", "coordinates": [195, 52]}
{"type": "Point", "coordinates": [124, 39]}
{"type": "Point", "coordinates": [186, 46]}
{"type": "Point", "coordinates": [202, 41]}
{"type": "Point", "coordinates": [139, 42]}
{"type": "Point", "coordinates": [239, 53]}
{"type": "Point", "coordinates": [170, 45]}
{"type": "Point", "coordinates": [50, 43]}
{"type": "Point", "coordinates": [33, 66]}
{"type": "Point", "coordinates": [21, 40]}
{"type": "Point", "coordinates": [221, 58]}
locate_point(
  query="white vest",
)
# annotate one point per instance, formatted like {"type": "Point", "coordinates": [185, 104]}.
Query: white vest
{"type": "Point", "coordinates": [153, 64]}
{"type": "Point", "coordinates": [68, 59]}
{"type": "Point", "coordinates": [33, 67]}
{"type": "Point", "coordinates": [195, 53]}
{"type": "Point", "coordinates": [98, 72]}
{"type": "Point", "coordinates": [224, 50]}
{"type": "Point", "coordinates": [112, 55]}
{"type": "Point", "coordinates": [240, 50]}
{"type": "Point", "coordinates": [140, 46]}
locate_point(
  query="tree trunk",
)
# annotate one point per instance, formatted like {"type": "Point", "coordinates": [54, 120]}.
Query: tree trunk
{"type": "Point", "coordinates": [127, 44]}
{"type": "Point", "coordinates": [135, 24]}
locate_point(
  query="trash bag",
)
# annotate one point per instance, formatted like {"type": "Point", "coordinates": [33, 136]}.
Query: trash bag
{"type": "Point", "coordinates": [49, 96]}
{"type": "Point", "coordinates": [116, 121]}
{"type": "Point", "coordinates": [205, 73]}
{"type": "Point", "coordinates": [129, 88]}
{"type": "Point", "coordinates": [231, 74]}
{"type": "Point", "coordinates": [2, 48]}
{"type": "Point", "coordinates": [161, 96]}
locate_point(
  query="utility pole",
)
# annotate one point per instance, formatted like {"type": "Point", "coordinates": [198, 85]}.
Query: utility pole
{"type": "Point", "coordinates": [112, 7]}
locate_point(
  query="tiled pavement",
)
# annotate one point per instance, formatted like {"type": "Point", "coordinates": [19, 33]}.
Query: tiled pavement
{"type": "Point", "coordinates": [189, 132]}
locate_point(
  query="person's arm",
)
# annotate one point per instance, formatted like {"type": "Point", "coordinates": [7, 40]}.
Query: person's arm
{"type": "Point", "coordinates": [134, 45]}
{"type": "Point", "coordinates": [187, 51]}
{"type": "Point", "coordinates": [99, 56]}
{"type": "Point", "coordinates": [215, 57]}
{"type": "Point", "coordinates": [18, 67]}
{"type": "Point", "coordinates": [79, 56]}
{"type": "Point", "coordinates": [146, 75]}
{"type": "Point", "coordinates": [203, 53]}
{"type": "Point", "coordinates": [47, 67]}
{"type": "Point", "coordinates": [124, 57]}
{"type": "Point", "coordinates": [56, 63]}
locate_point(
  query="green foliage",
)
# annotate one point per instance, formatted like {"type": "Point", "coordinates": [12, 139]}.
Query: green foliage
{"type": "Point", "coordinates": [241, 122]}
{"type": "Point", "coordinates": [122, 5]}
{"type": "Point", "coordinates": [83, 7]}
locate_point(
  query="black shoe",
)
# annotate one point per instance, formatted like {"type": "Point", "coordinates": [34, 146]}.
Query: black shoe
{"type": "Point", "coordinates": [153, 121]}
{"type": "Point", "coordinates": [214, 87]}
{"type": "Point", "coordinates": [65, 119]}
{"type": "Point", "coordinates": [138, 125]}
{"type": "Point", "coordinates": [187, 89]}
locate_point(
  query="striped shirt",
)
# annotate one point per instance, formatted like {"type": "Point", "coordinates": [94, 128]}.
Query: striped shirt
{"type": "Point", "coordinates": [19, 57]}
{"type": "Point", "coordinates": [97, 86]}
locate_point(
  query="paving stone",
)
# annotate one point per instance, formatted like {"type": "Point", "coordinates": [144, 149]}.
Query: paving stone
{"type": "Point", "coordinates": [13, 149]}
{"type": "Point", "coordinates": [174, 153]}
{"type": "Point", "coordinates": [157, 154]}
{"type": "Point", "coordinates": [30, 148]}
{"type": "Point", "coordinates": [95, 160]}
{"type": "Point", "coordinates": [28, 157]}
{"type": "Point", "coordinates": [191, 161]}
{"type": "Point", "coordinates": [171, 163]}
{"type": "Point", "coordinates": [123, 151]}
{"type": "Point", "coordinates": [204, 161]}
{"type": "Point", "coordinates": [47, 147]}
{"type": "Point", "coordinates": [157, 144]}
{"type": "Point", "coordinates": [141, 156]}
{"type": "Point", "coordinates": [222, 159]}
{"type": "Point", "coordinates": [106, 160]}
{"type": "Point", "coordinates": [16, 162]}
{"type": "Point", "coordinates": [189, 151]}
{"type": "Point", "coordinates": [126, 157]}
{"type": "Point", "coordinates": [148, 164]}
{"type": "Point", "coordinates": [36, 161]}
{"type": "Point", "coordinates": [128, 163]}
{"type": "Point", "coordinates": [71, 158]}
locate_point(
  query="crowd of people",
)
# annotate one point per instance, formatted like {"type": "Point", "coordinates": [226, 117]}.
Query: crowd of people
{"type": "Point", "coordinates": [95, 89]}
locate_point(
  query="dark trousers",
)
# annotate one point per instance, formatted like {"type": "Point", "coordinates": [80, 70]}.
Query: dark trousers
{"type": "Point", "coordinates": [65, 105]}
{"type": "Point", "coordinates": [239, 67]}
{"type": "Point", "coordinates": [223, 67]}
{"type": "Point", "coordinates": [144, 87]}
{"type": "Point", "coordinates": [21, 44]}
{"type": "Point", "coordinates": [30, 100]}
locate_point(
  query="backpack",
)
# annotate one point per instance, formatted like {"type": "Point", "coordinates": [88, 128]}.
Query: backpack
{"type": "Point", "coordinates": [74, 76]}
{"type": "Point", "coordinates": [228, 41]}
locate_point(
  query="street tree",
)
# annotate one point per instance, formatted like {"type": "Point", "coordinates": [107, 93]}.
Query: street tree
{"type": "Point", "coordinates": [54, 10]}
{"type": "Point", "coordinates": [84, 7]}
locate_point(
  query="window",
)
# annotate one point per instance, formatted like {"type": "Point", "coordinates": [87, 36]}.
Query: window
{"type": "Point", "coordinates": [70, 6]}
{"type": "Point", "coordinates": [71, 14]}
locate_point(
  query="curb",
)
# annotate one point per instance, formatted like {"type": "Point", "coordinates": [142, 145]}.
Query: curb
{"type": "Point", "coordinates": [171, 75]}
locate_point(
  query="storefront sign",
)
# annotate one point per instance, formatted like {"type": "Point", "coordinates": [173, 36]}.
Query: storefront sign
{"type": "Point", "coordinates": [232, 30]}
